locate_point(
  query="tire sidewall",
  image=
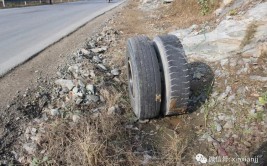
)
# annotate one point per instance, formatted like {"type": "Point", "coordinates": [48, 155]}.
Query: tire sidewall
{"type": "Point", "coordinates": [136, 87]}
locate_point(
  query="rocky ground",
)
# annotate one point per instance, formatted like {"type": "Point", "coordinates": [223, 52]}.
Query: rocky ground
{"type": "Point", "coordinates": [83, 115]}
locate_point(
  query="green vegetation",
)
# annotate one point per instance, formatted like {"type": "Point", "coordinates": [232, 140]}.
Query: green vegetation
{"type": "Point", "coordinates": [263, 99]}
{"type": "Point", "coordinates": [206, 5]}
{"type": "Point", "coordinates": [233, 12]}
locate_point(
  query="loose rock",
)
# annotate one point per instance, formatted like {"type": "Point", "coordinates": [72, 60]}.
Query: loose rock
{"type": "Point", "coordinates": [115, 72]}
{"type": "Point", "coordinates": [54, 112]}
{"type": "Point", "coordinates": [75, 118]}
{"type": "Point", "coordinates": [90, 88]}
{"type": "Point", "coordinates": [229, 125]}
{"type": "Point", "coordinates": [100, 50]}
{"type": "Point", "coordinates": [30, 147]}
{"type": "Point", "coordinates": [218, 126]}
{"type": "Point", "coordinates": [258, 78]}
{"type": "Point", "coordinates": [92, 98]}
{"type": "Point", "coordinates": [114, 110]}
{"type": "Point", "coordinates": [102, 67]}
{"type": "Point", "coordinates": [96, 59]}
{"type": "Point", "coordinates": [65, 83]}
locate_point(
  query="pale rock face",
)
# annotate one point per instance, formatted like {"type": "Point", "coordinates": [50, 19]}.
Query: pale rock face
{"type": "Point", "coordinates": [226, 38]}
{"type": "Point", "coordinates": [227, 2]}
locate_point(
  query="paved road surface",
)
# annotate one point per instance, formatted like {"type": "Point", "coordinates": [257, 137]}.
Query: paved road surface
{"type": "Point", "coordinates": [26, 31]}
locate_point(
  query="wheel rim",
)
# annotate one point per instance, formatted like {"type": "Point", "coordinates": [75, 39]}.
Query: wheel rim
{"type": "Point", "coordinates": [130, 78]}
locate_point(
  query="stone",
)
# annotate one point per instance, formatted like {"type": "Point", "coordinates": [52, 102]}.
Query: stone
{"type": "Point", "coordinates": [75, 90]}
{"type": "Point", "coordinates": [253, 113]}
{"type": "Point", "coordinates": [97, 110]}
{"type": "Point", "coordinates": [30, 147]}
{"type": "Point", "coordinates": [79, 101]}
{"type": "Point", "coordinates": [231, 98]}
{"type": "Point", "coordinates": [227, 2]}
{"type": "Point", "coordinates": [225, 94]}
{"type": "Point", "coordinates": [204, 137]}
{"type": "Point", "coordinates": [93, 98]}
{"type": "Point", "coordinates": [65, 83]}
{"type": "Point", "coordinates": [210, 139]}
{"type": "Point", "coordinates": [88, 54]}
{"type": "Point", "coordinates": [84, 52]}
{"type": "Point", "coordinates": [248, 144]}
{"type": "Point", "coordinates": [96, 59]}
{"type": "Point", "coordinates": [15, 154]}
{"type": "Point", "coordinates": [102, 99]}
{"type": "Point", "coordinates": [54, 112]}
{"type": "Point", "coordinates": [228, 125]}
{"type": "Point", "coordinates": [144, 121]}
{"type": "Point", "coordinates": [101, 56]}
{"type": "Point", "coordinates": [147, 157]}
{"type": "Point", "coordinates": [81, 84]}
{"type": "Point", "coordinates": [36, 138]}
{"type": "Point", "coordinates": [91, 44]}
{"type": "Point", "coordinates": [79, 59]}
{"type": "Point", "coordinates": [75, 118]}
{"type": "Point", "coordinates": [258, 78]}
{"type": "Point", "coordinates": [115, 72]}
{"type": "Point", "coordinates": [233, 62]}
{"type": "Point", "coordinates": [221, 116]}
{"type": "Point", "coordinates": [114, 110]}
{"type": "Point", "coordinates": [44, 117]}
{"type": "Point", "coordinates": [102, 67]}
{"type": "Point", "coordinates": [224, 62]}
{"type": "Point", "coordinates": [99, 50]}
{"type": "Point", "coordinates": [243, 70]}
{"type": "Point", "coordinates": [218, 11]}
{"type": "Point", "coordinates": [218, 73]}
{"type": "Point", "coordinates": [111, 110]}
{"type": "Point", "coordinates": [218, 126]}
{"type": "Point", "coordinates": [92, 73]}
{"type": "Point", "coordinates": [33, 131]}
{"type": "Point", "coordinates": [90, 88]}
{"type": "Point", "coordinates": [235, 136]}
{"type": "Point", "coordinates": [74, 70]}
{"type": "Point", "coordinates": [241, 91]}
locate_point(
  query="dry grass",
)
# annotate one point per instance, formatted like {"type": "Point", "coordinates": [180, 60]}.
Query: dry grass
{"type": "Point", "coordinates": [93, 142]}
{"type": "Point", "coordinates": [250, 32]}
{"type": "Point", "coordinates": [132, 22]}
{"type": "Point", "coordinates": [111, 96]}
{"type": "Point", "coordinates": [174, 149]}
{"type": "Point", "coordinates": [184, 13]}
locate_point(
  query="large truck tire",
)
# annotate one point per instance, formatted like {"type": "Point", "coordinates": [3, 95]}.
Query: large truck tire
{"type": "Point", "coordinates": [143, 77]}
{"type": "Point", "coordinates": [175, 74]}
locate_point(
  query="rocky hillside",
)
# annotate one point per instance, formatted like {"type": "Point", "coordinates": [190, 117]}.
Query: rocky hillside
{"type": "Point", "coordinates": [83, 116]}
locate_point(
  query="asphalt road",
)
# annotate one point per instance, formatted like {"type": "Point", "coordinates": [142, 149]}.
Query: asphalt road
{"type": "Point", "coordinates": [26, 31]}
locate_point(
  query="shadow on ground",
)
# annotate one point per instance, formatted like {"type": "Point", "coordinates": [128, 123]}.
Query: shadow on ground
{"type": "Point", "coordinates": [201, 83]}
{"type": "Point", "coordinates": [261, 155]}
